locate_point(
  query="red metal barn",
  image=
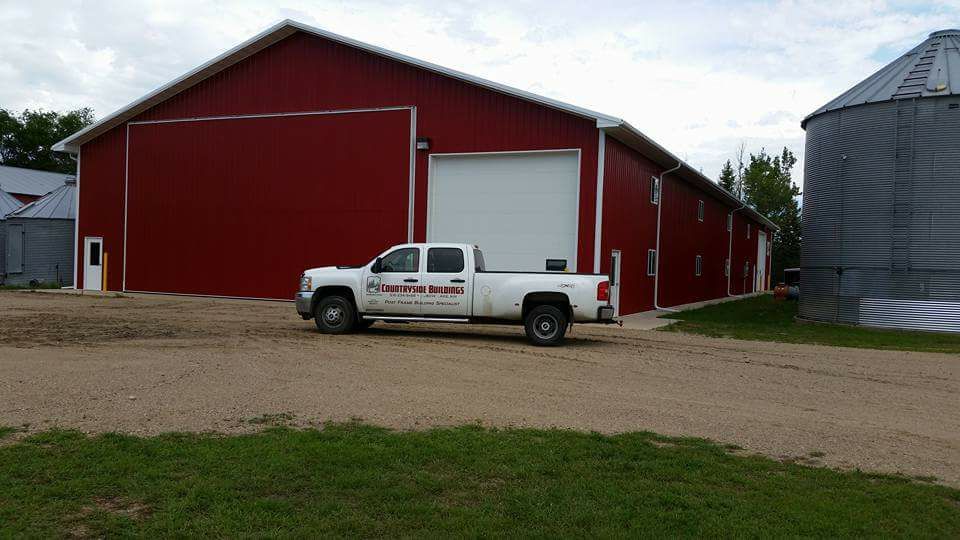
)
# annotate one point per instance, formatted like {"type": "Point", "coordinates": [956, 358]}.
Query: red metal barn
{"type": "Point", "coordinates": [301, 148]}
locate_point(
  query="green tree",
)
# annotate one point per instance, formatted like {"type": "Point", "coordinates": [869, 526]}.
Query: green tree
{"type": "Point", "coordinates": [728, 178]}
{"type": "Point", "coordinates": [768, 187]}
{"type": "Point", "coordinates": [25, 139]}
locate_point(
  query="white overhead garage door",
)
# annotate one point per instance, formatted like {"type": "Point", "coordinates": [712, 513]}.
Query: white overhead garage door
{"type": "Point", "coordinates": [520, 208]}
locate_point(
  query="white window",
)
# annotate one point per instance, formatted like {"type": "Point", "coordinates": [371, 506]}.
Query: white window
{"type": "Point", "coordinates": [729, 222]}
{"type": "Point", "coordinates": [748, 231]}
{"type": "Point", "coordinates": [651, 262]}
{"type": "Point", "coordinates": [698, 265]}
{"type": "Point", "coordinates": [654, 190]}
{"type": "Point", "coordinates": [700, 211]}
{"type": "Point", "coordinates": [726, 268]}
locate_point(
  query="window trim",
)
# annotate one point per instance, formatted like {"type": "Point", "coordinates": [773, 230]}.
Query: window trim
{"type": "Point", "coordinates": [700, 210]}
{"type": "Point", "coordinates": [730, 222]}
{"type": "Point", "coordinates": [651, 262]}
{"type": "Point", "coordinates": [463, 261]}
{"type": "Point", "coordinates": [698, 266]}
{"type": "Point", "coordinates": [654, 190]}
{"type": "Point", "coordinates": [726, 267]}
{"type": "Point", "coordinates": [748, 231]}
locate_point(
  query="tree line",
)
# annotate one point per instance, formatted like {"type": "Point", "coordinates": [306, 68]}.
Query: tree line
{"type": "Point", "coordinates": [26, 138]}
{"type": "Point", "coordinates": [764, 182]}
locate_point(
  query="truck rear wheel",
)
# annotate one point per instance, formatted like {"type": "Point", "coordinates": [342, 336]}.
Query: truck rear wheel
{"type": "Point", "coordinates": [334, 315]}
{"type": "Point", "coordinates": [545, 325]}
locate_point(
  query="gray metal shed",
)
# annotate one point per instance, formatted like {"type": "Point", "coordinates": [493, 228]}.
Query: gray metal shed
{"type": "Point", "coordinates": [881, 201]}
{"type": "Point", "coordinates": [8, 204]}
{"type": "Point", "coordinates": [40, 239]}
{"type": "Point", "coordinates": [27, 185]}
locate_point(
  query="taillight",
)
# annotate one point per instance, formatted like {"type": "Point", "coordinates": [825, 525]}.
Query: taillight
{"type": "Point", "coordinates": [603, 291]}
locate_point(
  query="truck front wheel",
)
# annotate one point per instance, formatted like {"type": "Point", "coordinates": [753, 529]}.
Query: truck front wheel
{"type": "Point", "coordinates": [334, 315]}
{"type": "Point", "coordinates": [545, 325]}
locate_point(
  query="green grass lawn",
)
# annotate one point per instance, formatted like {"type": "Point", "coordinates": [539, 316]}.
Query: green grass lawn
{"type": "Point", "coordinates": [28, 287]}
{"type": "Point", "coordinates": [363, 481]}
{"type": "Point", "coordinates": [761, 318]}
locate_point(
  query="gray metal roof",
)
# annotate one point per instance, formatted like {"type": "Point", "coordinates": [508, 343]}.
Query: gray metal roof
{"type": "Point", "coordinates": [929, 69]}
{"type": "Point", "coordinates": [58, 204]}
{"type": "Point", "coordinates": [30, 181]}
{"type": "Point", "coordinates": [8, 203]}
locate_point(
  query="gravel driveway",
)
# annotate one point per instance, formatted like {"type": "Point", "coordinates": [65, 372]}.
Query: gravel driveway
{"type": "Point", "coordinates": [150, 364]}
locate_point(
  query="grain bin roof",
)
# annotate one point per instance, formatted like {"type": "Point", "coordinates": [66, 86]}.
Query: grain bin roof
{"type": "Point", "coordinates": [929, 69]}
{"type": "Point", "coordinates": [8, 203]}
{"type": "Point", "coordinates": [58, 204]}
{"type": "Point", "coordinates": [30, 181]}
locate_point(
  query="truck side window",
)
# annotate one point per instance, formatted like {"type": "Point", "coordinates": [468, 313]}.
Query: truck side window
{"type": "Point", "coordinates": [479, 265]}
{"type": "Point", "coordinates": [401, 260]}
{"type": "Point", "coordinates": [445, 260]}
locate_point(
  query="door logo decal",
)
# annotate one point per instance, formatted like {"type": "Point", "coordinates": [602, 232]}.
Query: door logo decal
{"type": "Point", "coordinates": [373, 284]}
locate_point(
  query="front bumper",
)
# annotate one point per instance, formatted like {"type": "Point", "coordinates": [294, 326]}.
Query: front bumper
{"type": "Point", "coordinates": [304, 301]}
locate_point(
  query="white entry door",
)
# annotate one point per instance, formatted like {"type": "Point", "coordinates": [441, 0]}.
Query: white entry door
{"type": "Point", "coordinates": [520, 208]}
{"type": "Point", "coordinates": [615, 281]}
{"type": "Point", "coordinates": [93, 263]}
{"type": "Point", "coordinates": [761, 273]}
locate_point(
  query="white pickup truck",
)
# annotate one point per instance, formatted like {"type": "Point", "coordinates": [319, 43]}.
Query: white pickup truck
{"type": "Point", "coordinates": [449, 283]}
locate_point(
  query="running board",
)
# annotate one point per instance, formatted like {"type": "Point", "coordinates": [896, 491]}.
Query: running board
{"type": "Point", "coordinates": [413, 319]}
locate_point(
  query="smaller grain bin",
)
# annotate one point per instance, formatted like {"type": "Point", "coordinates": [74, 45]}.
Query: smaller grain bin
{"type": "Point", "coordinates": [39, 239]}
{"type": "Point", "coordinates": [8, 204]}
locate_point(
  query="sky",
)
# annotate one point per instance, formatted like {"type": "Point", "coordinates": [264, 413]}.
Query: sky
{"type": "Point", "coordinates": [698, 77]}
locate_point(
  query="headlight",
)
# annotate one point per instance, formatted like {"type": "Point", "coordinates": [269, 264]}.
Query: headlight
{"type": "Point", "coordinates": [306, 283]}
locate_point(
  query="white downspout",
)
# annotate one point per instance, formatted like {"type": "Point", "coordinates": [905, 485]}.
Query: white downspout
{"type": "Point", "coordinates": [730, 245]}
{"type": "Point", "coordinates": [656, 265]}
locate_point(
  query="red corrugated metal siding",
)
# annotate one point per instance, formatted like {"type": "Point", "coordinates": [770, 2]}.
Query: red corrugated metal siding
{"type": "Point", "coordinates": [308, 73]}
{"type": "Point", "coordinates": [24, 198]}
{"type": "Point", "coordinates": [260, 199]}
{"type": "Point", "coordinates": [629, 222]}
{"type": "Point", "coordinates": [683, 237]}
{"type": "Point", "coordinates": [102, 163]}
{"type": "Point", "coordinates": [303, 73]}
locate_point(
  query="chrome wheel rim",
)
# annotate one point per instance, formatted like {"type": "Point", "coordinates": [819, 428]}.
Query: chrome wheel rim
{"type": "Point", "coordinates": [545, 326]}
{"type": "Point", "coordinates": [333, 315]}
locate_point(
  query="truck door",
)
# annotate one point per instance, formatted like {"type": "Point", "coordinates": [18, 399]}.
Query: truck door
{"type": "Point", "coordinates": [395, 290]}
{"type": "Point", "coordinates": [448, 284]}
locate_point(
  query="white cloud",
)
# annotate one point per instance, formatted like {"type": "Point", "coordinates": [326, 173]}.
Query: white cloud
{"type": "Point", "coordinates": [699, 77]}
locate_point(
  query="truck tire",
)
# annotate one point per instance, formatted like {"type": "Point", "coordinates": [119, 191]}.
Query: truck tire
{"type": "Point", "coordinates": [334, 315]}
{"type": "Point", "coordinates": [545, 325]}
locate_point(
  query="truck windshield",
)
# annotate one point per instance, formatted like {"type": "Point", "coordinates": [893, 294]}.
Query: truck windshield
{"type": "Point", "coordinates": [478, 264]}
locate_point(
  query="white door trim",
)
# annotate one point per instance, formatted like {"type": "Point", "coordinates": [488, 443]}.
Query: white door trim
{"type": "Point", "coordinates": [87, 240]}
{"type": "Point", "coordinates": [576, 226]}
{"type": "Point", "coordinates": [760, 274]}
{"type": "Point", "coordinates": [411, 187]}
{"type": "Point", "coordinates": [616, 264]}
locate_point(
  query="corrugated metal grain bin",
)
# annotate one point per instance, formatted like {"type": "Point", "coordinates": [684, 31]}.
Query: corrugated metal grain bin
{"type": "Point", "coordinates": [881, 202]}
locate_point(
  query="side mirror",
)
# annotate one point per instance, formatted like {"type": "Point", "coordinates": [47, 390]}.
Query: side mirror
{"type": "Point", "coordinates": [377, 264]}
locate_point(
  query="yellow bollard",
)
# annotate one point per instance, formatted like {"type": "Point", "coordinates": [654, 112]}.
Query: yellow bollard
{"type": "Point", "coordinates": [103, 278]}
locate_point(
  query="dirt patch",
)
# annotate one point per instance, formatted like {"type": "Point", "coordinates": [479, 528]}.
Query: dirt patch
{"type": "Point", "coordinates": [59, 330]}
{"type": "Point", "coordinates": [152, 364]}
